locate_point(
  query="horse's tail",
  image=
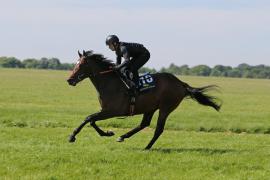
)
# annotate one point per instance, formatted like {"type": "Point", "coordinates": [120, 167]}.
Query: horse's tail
{"type": "Point", "coordinates": [200, 95]}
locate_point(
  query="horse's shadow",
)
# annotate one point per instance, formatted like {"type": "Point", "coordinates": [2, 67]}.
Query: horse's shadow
{"type": "Point", "coordinates": [206, 151]}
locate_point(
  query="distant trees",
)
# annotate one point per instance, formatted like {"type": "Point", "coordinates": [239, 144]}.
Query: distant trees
{"type": "Point", "coordinates": [220, 70]}
{"type": "Point", "coordinates": [174, 69]}
{"type": "Point", "coordinates": [201, 70]}
{"type": "Point", "coordinates": [10, 62]}
{"type": "Point", "coordinates": [242, 70]}
{"type": "Point", "coordinates": [31, 63]}
{"type": "Point", "coordinates": [146, 69]}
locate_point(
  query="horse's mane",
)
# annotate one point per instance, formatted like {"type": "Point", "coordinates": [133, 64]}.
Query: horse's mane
{"type": "Point", "coordinates": [100, 59]}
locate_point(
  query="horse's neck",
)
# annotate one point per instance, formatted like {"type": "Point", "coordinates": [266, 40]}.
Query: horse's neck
{"type": "Point", "coordinates": [98, 79]}
{"type": "Point", "coordinates": [106, 83]}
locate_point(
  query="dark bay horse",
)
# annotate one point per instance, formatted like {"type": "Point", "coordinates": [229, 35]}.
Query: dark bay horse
{"type": "Point", "coordinates": [115, 102]}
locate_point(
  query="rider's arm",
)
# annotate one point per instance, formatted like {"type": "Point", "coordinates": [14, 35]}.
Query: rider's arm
{"type": "Point", "coordinates": [118, 60]}
{"type": "Point", "coordinates": [125, 55]}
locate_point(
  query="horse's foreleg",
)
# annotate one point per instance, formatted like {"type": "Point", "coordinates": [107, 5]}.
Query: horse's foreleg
{"type": "Point", "coordinates": [100, 131]}
{"type": "Point", "coordinates": [147, 117]}
{"type": "Point", "coordinates": [91, 119]}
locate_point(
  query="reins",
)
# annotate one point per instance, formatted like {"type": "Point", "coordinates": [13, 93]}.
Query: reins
{"type": "Point", "coordinates": [105, 72]}
{"type": "Point", "coordinates": [101, 73]}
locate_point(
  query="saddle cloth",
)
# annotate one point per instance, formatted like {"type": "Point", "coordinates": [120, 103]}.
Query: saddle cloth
{"type": "Point", "coordinates": [146, 82]}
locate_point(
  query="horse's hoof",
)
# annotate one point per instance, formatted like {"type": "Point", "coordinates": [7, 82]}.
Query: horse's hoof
{"type": "Point", "coordinates": [72, 139]}
{"type": "Point", "coordinates": [147, 148]}
{"type": "Point", "coordinates": [120, 139]}
{"type": "Point", "coordinates": [110, 133]}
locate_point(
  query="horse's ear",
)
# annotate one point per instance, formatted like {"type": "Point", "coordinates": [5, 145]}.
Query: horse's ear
{"type": "Point", "coordinates": [84, 53]}
{"type": "Point", "coordinates": [80, 55]}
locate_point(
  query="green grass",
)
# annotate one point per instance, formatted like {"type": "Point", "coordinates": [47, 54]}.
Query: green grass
{"type": "Point", "coordinates": [42, 98]}
{"type": "Point", "coordinates": [43, 153]}
{"type": "Point", "coordinates": [38, 110]}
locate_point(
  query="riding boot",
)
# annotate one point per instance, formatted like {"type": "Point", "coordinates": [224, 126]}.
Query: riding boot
{"type": "Point", "coordinates": [132, 89]}
{"type": "Point", "coordinates": [130, 81]}
{"type": "Point", "coordinates": [135, 81]}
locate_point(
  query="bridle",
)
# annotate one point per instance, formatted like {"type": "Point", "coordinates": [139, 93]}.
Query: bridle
{"type": "Point", "coordinates": [100, 73]}
{"type": "Point", "coordinates": [91, 74]}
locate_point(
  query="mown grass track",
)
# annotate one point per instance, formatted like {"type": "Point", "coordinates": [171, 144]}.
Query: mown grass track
{"type": "Point", "coordinates": [38, 110]}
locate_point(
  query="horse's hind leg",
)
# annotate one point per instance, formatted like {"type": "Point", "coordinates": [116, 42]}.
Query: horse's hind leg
{"type": "Point", "coordinates": [160, 127]}
{"type": "Point", "coordinates": [147, 117]}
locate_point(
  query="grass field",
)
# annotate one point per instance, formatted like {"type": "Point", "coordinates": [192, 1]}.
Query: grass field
{"type": "Point", "coordinates": [38, 110]}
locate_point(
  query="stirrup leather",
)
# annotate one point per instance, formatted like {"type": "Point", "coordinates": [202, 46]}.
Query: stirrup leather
{"type": "Point", "coordinates": [132, 105]}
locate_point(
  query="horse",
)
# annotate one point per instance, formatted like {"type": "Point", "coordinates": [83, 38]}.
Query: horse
{"type": "Point", "coordinates": [115, 101]}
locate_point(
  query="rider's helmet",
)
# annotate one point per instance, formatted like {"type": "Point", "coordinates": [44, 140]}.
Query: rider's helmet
{"type": "Point", "coordinates": [112, 39]}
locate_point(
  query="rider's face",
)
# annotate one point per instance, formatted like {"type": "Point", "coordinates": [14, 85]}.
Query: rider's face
{"type": "Point", "coordinates": [111, 46]}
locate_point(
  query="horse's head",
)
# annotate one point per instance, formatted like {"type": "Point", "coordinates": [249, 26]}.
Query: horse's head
{"type": "Point", "coordinates": [80, 71]}
{"type": "Point", "coordinates": [89, 65]}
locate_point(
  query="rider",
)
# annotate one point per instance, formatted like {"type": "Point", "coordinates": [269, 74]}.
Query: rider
{"type": "Point", "coordinates": [135, 56]}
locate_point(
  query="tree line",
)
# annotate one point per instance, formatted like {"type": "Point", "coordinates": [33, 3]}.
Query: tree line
{"type": "Point", "coordinates": [31, 63]}
{"type": "Point", "coordinates": [242, 70]}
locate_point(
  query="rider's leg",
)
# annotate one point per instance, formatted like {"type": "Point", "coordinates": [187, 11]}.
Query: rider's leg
{"type": "Point", "coordinates": [130, 71]}
{"type": "Point", "coordinates": [137, 63]}
{"type": "Point", "coordinates": [141, 60]}
{"type": "Point", "coordinates": [134, 81]}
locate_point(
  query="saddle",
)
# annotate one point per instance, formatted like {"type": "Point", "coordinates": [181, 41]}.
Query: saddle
{"type": "Point", "coordinates": [146, 83]}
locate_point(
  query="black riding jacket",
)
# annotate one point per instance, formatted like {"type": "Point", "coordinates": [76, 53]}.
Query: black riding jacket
{"type": "Point", "coordinates": [127, 51]}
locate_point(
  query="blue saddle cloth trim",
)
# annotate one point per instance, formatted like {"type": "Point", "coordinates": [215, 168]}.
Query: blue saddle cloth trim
{"type": "Point", "coordinates": [146, 82]}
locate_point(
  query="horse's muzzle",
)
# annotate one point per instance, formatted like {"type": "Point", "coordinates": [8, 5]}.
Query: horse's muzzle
{"type": "Point", "coordinates": [72, 82]}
